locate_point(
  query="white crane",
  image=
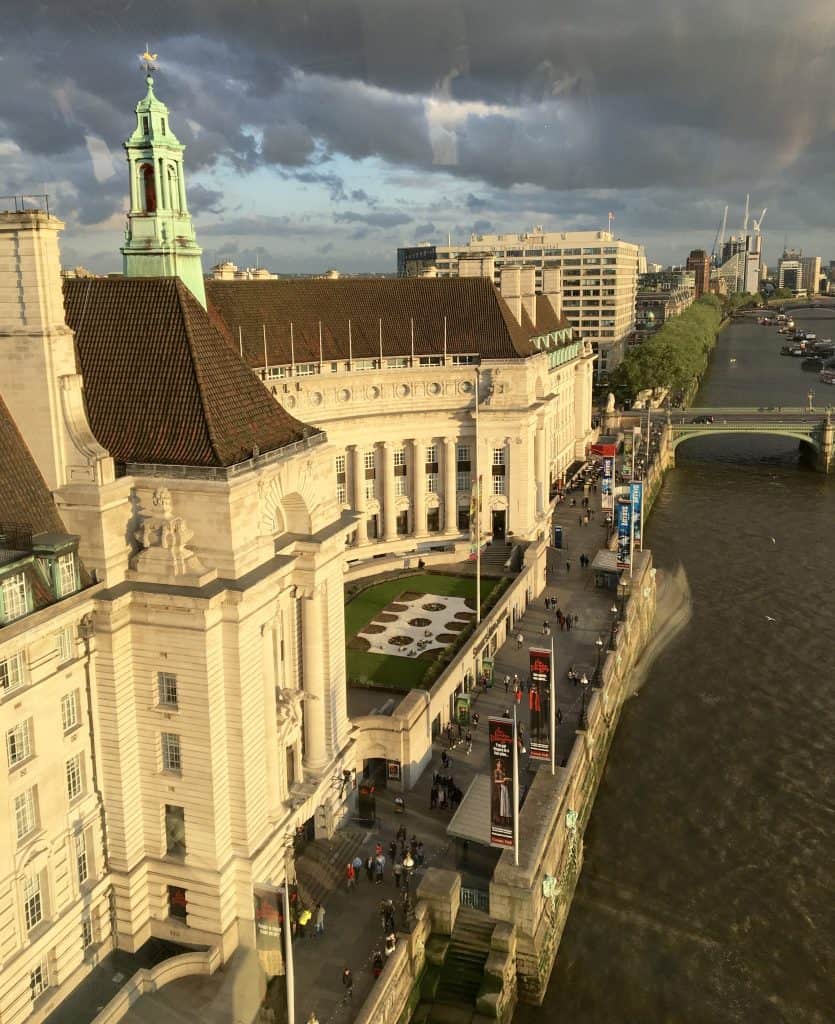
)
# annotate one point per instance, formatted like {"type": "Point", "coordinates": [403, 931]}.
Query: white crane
{"type": "Point", "coordinates": [745, 222]}
{"type": "Point", "coordinates": [759, 220]}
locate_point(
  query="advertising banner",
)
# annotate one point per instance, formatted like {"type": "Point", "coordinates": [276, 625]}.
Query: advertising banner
{"type": "Point", "coordinates": [624, 525]}
{"type": "Point", "coordinates": [636, 497]}
{"type": "Point", "coordinates": [268, 917]}
{"type": "Point", "coordinates": [462, 709]}
{"type": "Point", "coordinates": [606, 483]}
{"type": "Point", "coordinates": [501, 739]}
{"type": "Point", "coordinates": [539, 697]}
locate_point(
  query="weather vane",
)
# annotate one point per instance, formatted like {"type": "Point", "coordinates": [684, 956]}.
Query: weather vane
{"type": "Point", "coordinates": [148, 59]}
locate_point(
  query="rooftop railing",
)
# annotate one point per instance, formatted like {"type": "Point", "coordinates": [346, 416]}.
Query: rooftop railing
{"type": "Point", "coordinates": [24, 204]}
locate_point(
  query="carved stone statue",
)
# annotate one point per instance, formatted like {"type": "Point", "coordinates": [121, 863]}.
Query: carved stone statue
{"type": "Point", "coordinates": [288, 705]}
{"type": "Point", "coordinates": [610, 403]}
{"type": "Point", "coordinates": [164, 538]}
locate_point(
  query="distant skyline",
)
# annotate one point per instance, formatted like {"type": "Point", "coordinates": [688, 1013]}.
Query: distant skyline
{"type": "Point", "coordinates": [325, 134]}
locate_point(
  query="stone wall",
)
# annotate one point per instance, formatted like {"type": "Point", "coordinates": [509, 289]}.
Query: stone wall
{"type": "Point", "coordinates": [395, 994]}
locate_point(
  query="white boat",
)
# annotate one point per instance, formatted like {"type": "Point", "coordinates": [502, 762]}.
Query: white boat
{"type": "Point", "coordinates": [732, 361]}
{"type": "Point", "coordinates": [827, 377]}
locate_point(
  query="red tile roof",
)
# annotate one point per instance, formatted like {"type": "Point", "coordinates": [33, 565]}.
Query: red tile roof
{"type": "Point", "coordinates": [477, 318]}
{"type": "Point", "coordinates": [161, 383]}
{"type": "Point", "coordinates": [25, 499]}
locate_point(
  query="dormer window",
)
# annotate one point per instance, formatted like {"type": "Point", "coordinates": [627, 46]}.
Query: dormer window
{"type": "Point", "coordinates": [145, 124]}
{"type": "Point", "coordinates": [66, 574]}
{"type": "Point", "coordinates": [14, 597]}
{"type": "Point", "coordinates": [162, 125]}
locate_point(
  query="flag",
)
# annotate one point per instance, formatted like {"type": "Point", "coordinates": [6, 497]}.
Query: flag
{"type": "Point", "coordinates": [475, 519]}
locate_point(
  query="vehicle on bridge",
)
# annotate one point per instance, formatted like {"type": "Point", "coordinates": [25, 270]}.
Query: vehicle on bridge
{"type": "Point", "coordinates": [702, 419]}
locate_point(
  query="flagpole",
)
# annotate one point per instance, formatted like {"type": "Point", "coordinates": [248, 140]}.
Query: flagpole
{"type": "Point", "coordinates": [477, 513]}
{"type": "Point", "coordinates": [288, 957]}
{"type": "Point", "coordinates": [515, 789]}
{"type": "Point", "coordinates": [552, 713]}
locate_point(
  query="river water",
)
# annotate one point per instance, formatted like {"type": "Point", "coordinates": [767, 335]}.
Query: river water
{"type": "Point", "coordinates": [707, 890]}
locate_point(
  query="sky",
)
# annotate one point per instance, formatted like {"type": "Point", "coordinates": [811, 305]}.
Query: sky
{"type": "Point", "coordinates": [325, 133]}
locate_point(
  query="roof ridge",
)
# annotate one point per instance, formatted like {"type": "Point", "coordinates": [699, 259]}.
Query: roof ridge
{"type": "Point", "coordinates": [208, 417]}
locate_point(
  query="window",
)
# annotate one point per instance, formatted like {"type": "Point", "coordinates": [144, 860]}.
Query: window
{"type": "Point", "coordinates": [11, 674]}
{"type": "Point", "coordinates": [402, 524]}
{"type": "Point", "coordinates": [432, 483]}
{"type": "Point", "coordinates": [75, 777]}
{"type": "Point", "coordinates": [398, 363]}
{"type": "Point", "coordinates": [86, 932]}
{"type": "Point", "coordinates": [177, 902]}
{"type": "Point", "coordinates": [39, 979]}
{"type": "Point", "coordinates": [368, 460]}
{"type": "Point", "coordinates": [171, 760]}
{"type": "Point", "coordinates": [369, 492]}
{"type": "Point", "coordinates": [175, 831]}
{"type": "Point", "coordinates": [464, 360]}
{"type": "Point", "coordinates": [463, 519]}
{"type": "Point", "coordinates": [167, 689]}
{"type": "Point", "coordinates": [400, 456]}
{"type": "Point", "coordinates": [26, 813]}
{"type": "Point", "coordinates": [69, 710]}
{"type": "Point", "coordinates": [32, 902]}
{"type": "Point", "coordinates": [340, 463]}
{"type": "Point", "coordinates": [498, 485]}
{"type": "Point", "coordinates": [365, 364]}
{"type": "Point", "coordinates": [81, 865]}
{"type": "Point", "coordinates": [145, 125]}
{"type": "Point", "coordinates": [305, 369]}
{"type": "Point", "coordinates": [463, 481]}
{"type": "Point", "coordinates": [431, 361]}
{"type": "Point", "coordinates": [19, 742]}
{"type": "Point", "coordinates": [463, 453]}
{"type": "Point", "coordinates": [498, 456]}
{"type": "Point", "coordinates": [433, 520]}
{"type": "Point", "coordinates": [66, 575]}
{"type": "Point", "coordinates": [432, 453]}
{"type": "Point", "coordinates": [149, 188]}
{"type": "Point", "coordinates": [401, 487]}
{"type": "Point", "coordinates": [15, 602]}
{"type": "Point", "coordinates": [341, 494]}
{"type": "Point", "coordinates": [63, 644]}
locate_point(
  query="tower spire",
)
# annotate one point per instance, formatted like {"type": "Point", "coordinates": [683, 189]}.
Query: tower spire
{"type": "Point", "coordinates": [160, 240]}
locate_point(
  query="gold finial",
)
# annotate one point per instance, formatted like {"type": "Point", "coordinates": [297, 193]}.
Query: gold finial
{"type": "Point", "coordinates": [148, 59]}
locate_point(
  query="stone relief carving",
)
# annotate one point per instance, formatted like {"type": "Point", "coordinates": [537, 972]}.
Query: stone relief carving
{"type": "Point", "coordinates": [163, 537]}
{"type": "Point", "coordinates": [288, 706]}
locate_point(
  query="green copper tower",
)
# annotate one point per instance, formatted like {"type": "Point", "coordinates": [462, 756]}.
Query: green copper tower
{"type": "Point", "coordinates": [159, 239]}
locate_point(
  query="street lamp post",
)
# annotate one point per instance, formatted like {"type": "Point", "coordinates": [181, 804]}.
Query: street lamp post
{"type": "Point", "coordinates": [614, 613]}
{"type": "Point", "coordinates": [623, 586]}
{"type": "Point", "coordinates": [598, 643]}
{"type": "Point", "coordinates": [585, 684]}
{"type": "Point", "coordinates": [811, 398]}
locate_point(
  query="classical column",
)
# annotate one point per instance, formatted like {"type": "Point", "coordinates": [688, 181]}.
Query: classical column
{"type": "Point", "coordinates": [419, 487]}
{"type": "Point", "coordinates": [358, 477]}
{"type": "Point", "coordinates": [315, 741]}
{"type": "Point", "coordinates": [389, 511]}
{"type": "Point", "coordinates": [539, 467]}
{"type": "Point", "coordinates": [134, 190]}
{"type": "Point", "coordinates": [450, 487]}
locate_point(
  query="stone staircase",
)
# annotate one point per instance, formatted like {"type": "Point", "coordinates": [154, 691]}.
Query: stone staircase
{"type": "Point", "coordinates": [463, 969]}
{"type": "Point", "coordinates": [320, 866]}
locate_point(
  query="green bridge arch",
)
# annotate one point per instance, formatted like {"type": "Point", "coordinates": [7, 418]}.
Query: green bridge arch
{"type": "Point", "coordinates": [687, 433]}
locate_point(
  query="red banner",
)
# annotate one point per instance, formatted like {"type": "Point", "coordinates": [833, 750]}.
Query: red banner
{"type": "Point", "coordinates": [539, 696]}
{"type": "Point", "coordinates": [501, 737]}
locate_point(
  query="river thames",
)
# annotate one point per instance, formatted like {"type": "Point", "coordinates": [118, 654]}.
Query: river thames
{"type": "Point", "coordinates": [706, 894]}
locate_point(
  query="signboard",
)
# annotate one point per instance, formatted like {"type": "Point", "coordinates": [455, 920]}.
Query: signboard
{"type": "Point", "coordinates": [393, 771]}
{"type": "Point", "coordinates": [462, 708]}
{"type": "Point", "coordinates": [636, 497]}
{"type": "Point", "coordinates": [624, 526]}
{"type": "Point", "coordinates": [501, 736]}
{"type": "Point", "coordinates": [539, 697]}
{"type": "Point", "coordinates": [606, 482]}
{"type": "Point", "coordinates": [268, 917]}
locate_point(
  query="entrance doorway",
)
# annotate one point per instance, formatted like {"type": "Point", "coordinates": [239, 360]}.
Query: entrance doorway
{"type": "Point", "coordinates": [499, 519]}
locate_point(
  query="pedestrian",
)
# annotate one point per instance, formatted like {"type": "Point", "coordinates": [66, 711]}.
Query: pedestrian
{"type": "Point", "coordinates": [515, 681]}
{"type": "Point", "coordinates": [433, 797]}
{"type": "Point", "coordinates": [579, 520]}
{"type": "Point", "coordinates": [442, 799]}
{"type": "Point", "coordinates": [378, 963]}
{"type": "Point", "coordinates": [519, 695]}
{"type": "Point", "coordinates": [348, 982]}
{"type": "Point", "coordinates": [519, 641]}
{"type": "Point", "coordinates": [545, 628]}
{"type": "Point", "coordinates": [313, 1019]}
{"type": "Point", "coordinates": [378, 849]}
{"type": "Point", "coordinates": [379, 868]}
{"type": "Point", "coordinates": [391, 942]}
{"type": "Point", "coordinates": [568, 622]}
{"type": "Point", "coordinates": [469, 738]}
{"type": "Point", "coordinates": [350, 876]}
{"type": "Point", "coordinates": [319, 920]}
{"type": "Point", "coordinates": [357, 862]}
{"type": "Point", "coordinates": [398, 871]}
{"type": "Point", "coordinates": [506, 683]}
{"type": "Point", "coordinates": [401, 834]}
{"type": "Point", "coordinates": [304, 918]}
{"type": "Point", "coordinates": [420, 855]}
{"type": "Point", "coordinates": [392, 849]}
{"type": "Point", "coordinates": [568, 565]}
{"type": "Point", "coordinates": [576, 619]}
{"type": "Point", "coordinates": [369, 868]}
{"type": "Point", "coordinates": [475, 720]}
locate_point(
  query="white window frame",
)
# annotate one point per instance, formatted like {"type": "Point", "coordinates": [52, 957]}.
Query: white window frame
{"type": "Point", "coordinates": [33, 908]}
{"type": "Point", "coordinates": [11, 673]}
{"type": "Point", "coordinates": [340, 463]}
{"type": "Point", "coordinates": [498, 485]}
{"type": "Point", "coordinates": [172, 759]}
{"type": "Point", "coordinates": [401, 487]}
{"type": "Point", "coordinates": [15, 596]}
{"type": "Point", "coordinates": [65, 574]}
{"type": "Point", "coordinates": [370, 491]}
{"type": "Point", "coordinates": [39, 978]}
{"type": "Point", "coordinates": [399, 456]}
{"type": "Point", "coordinates": [69, 710]}
{"type": "Point", "coordinates": [432, 483]}
{"type": "Point", "coordinates": [462, 453]}
{"type": "Point", "coordinates": [82, 862]}
{"type": "Point", "coordinates": [341, 494]}
{"type": "Point", "coordinates": [63, 644]}
{"type": "Point", "coordinates": [166, 689]}
{"type": "Point", "coordinates": [19, 742]}
{"type": "Point", "coordinates": [75, 777]}
{"type": "Point", "coordinates": [26, 813]}
{"type": "Point", "coordinates": [464, 481]}
{"type": "Point", "coordinates": [369, 461]}
{"type": "Point", "coordinates": [397, 363]}
{"type": "Point", "coordinates": [87, 933]}
{"type": "Point", "coordinates": [499, 457]}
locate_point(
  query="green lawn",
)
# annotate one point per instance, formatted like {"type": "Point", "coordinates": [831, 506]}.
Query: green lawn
{"type": "Point", "coordinates": [391, 672]}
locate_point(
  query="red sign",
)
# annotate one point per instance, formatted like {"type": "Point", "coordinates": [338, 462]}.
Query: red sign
{"type": "Point", "coordinates": [501, 738]}
{"type": "Point", "coordinates": [539, 696]}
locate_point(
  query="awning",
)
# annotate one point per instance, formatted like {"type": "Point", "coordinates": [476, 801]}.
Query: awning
{"type": "Point", "coordinates": [606, 561]}
{"type": "Point", "coordinates": [472, 819]}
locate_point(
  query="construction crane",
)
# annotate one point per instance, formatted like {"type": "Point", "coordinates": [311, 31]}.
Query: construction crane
{"type": "Point", "coordinates": [759, 220]}
{"type": "Point", "coordinates": [745, 221]}
{"type": "Point", "coordinates": [719, 241]}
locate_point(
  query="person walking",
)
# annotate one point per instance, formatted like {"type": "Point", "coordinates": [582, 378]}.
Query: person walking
{"type": "Point", "coordinates": [304, 919]}
{"type": "Point", "coordinates": [469, 739]}
{"type": "Point", "coordinates": [398, 871]}
{"type": "Point", "coordinates": [506, 683]}
{"type": "Point", "coordinates": [576, 619]}
{"type": "Point", "coordinates": [568, 565]}
{"type": "Point", "coordinates": [357, 862]}
{"type": "Point", "coordinates": [519, 641]}
{"type": "Point", "coordinates": [369, 868]}
{"type": "Point", "coordinates": [420, 856]}
{"type": "Point", "coordinates": [568, 621]}
{"type": "Point", "coordinates": [319, 920]}
{"type": "Point", "coordinates": [348, 982]}
{"type": "Point", "coordinates": [350, 876]}
{"type": "Point", "coordinates": [392, 849]}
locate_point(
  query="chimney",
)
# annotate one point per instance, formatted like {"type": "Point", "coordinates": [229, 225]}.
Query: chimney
{"type": "Point", "coordinates": [38, 377]}
{"type": "Point", "coordinates": [552, 289]}
{"type": "Point", "coordinates": [527, 289]}
{"type": "Point", "coordinates": [477, 266]}
{"type": "Point", "coordinates": [509, 286]}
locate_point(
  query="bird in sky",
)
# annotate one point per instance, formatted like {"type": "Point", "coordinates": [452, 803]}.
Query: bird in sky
{"type": "Point", "coordinates": [773, 541]}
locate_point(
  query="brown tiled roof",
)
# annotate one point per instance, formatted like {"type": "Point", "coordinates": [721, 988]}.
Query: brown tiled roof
{"type": "Point", "coordinates": [477, 318]}
{"type": "Point", "coordinates": [161, 383]}
{"type": "Point", "coordinates": [25, 499]}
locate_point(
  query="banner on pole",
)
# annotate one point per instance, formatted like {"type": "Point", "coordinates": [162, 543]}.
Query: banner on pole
{"type": "Point", "coordinates": [636, 497]}
{"type": "Point", "coordinates": [539, 698]}
{"type": "Point", "coordinates": [501, 736]}
{"type": "Point", "coordinates": [606, 497]}
{"type": "Point", "coordinates": [475, 520]}
{"type": "Point", "coordinates": [624, 525]}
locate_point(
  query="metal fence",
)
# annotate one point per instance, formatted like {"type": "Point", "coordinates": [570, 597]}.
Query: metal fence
{"type": "Point", "coordinates": [21, 203]}
{"type": "Point", "coordinates": [478, 899]}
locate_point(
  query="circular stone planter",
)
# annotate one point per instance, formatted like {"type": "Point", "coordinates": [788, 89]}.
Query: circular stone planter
{"type": "Point", "coordinates": [401, 641]}
{"type": "Point", "coordinates": [433, 606]}
{"type": "Point", "coordinates": [417, 623]}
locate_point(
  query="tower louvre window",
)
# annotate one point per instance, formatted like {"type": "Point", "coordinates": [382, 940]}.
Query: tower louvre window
{"type": "Point", "coordinates": [145, 124]}
{"type": "Point", "coordinates": [149, 187]}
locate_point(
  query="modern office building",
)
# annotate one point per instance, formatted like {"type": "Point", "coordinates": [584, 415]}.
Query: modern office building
{"type": "Point", "coordinates": [599, 276]}
{"type": "Point", "coordinates": [699, 262]}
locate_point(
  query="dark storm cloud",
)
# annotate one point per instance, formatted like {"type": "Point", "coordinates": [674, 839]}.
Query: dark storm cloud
{"type": "Point", "coordinates": [375, 219]}
{"type": "Point", "coordinates": [202, 199]}
{"type": "Point", "coordinates": [700, 100]}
